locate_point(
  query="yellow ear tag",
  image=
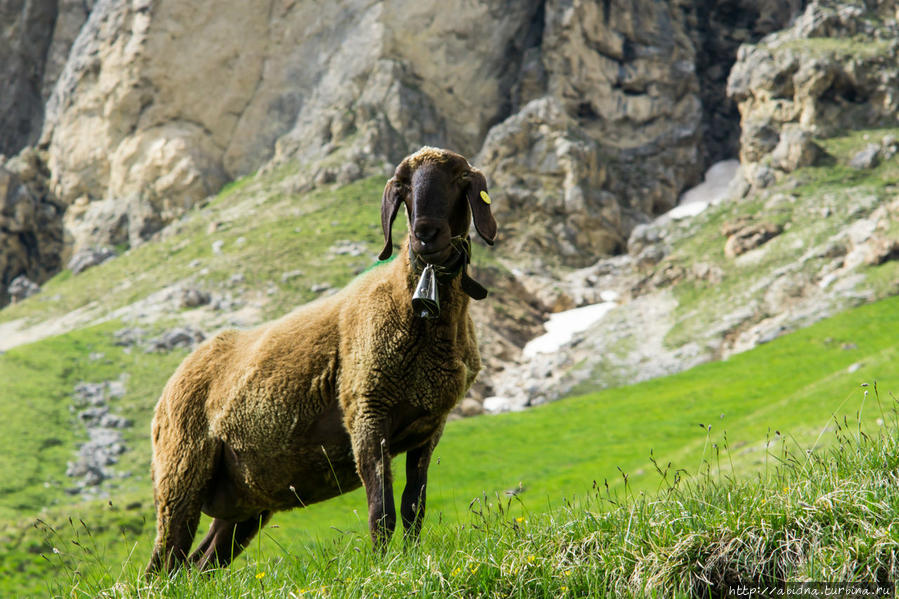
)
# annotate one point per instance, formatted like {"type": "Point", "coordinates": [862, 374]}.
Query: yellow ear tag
{"type": "Point", "coordinates": [485, 197]}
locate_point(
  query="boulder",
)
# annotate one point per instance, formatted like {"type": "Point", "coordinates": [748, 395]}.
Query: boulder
{"type": "Point", "coordinates": [867, 157]}
{"type": "Point", "coordinates": [22, 288]}
{"type": "Point", "coordinates": [88, 258]}
{"type": "Point", "coordinates": [743, 237]}
{"type": "Point", "coordinates": [882, 250]}
{"type": "Point", "coordinates": [178, 337]}
{"type": "Point", "coordinates": [795, 149]}
{"type": "Point", "coordinates": [547, 180]}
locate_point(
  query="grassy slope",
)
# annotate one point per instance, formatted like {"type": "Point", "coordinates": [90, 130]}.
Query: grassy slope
{"type": "Point", "coordinates": [814, 204]}
{"type": "Point", "coordinates": [828, 515]}
{"type": "Point", "coordinates": [265, 233]}
{"type": "Point", "coordinates": [792, 385]}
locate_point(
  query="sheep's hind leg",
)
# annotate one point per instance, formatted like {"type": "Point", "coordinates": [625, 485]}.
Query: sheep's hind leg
{"type": "Point", "coordinates": [226, 540]}
{"type": "Point", "coordinates": [412, 504]}
{"type": "Point", "coordinates": [179, 482]}
{"type": "Point", "coordinates": [175, 529]}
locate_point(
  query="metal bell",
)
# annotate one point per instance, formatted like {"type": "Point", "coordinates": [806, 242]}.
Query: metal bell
{"type": "Point", "coordinates": [425, 303]}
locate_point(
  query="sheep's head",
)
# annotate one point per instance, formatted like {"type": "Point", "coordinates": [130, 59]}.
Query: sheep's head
{"type": "Point", "coordinates": [442, 193]}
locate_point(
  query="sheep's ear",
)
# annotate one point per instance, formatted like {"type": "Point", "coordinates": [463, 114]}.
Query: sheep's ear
{"type": "Point", "coordinates": [390, 205]}
{"type": "Point", "coordinates": [479, 202]}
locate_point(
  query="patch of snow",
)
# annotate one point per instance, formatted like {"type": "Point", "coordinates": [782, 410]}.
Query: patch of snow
{"type": "Point", "coordinates": [561, 327]}
{"type": "Point", "coordinates": [712, 190]}
{"type": "Point", "coordinates": [609, 295]}
{"type": "Point", "coordinates": [683, 211]}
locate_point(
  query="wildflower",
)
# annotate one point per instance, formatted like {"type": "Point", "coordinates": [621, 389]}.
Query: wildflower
{"type": "Point", "coordinates": [260, 575]}
{"type": "Point", "coordinates": [474, 568]}
{"type": "Point", "coordinates": [564, 589]}
{"type": "Point", "coordinates": [567, 573]}
{"type": "Point", "coordinates": [531, 559]}
{"type": "Point", "coordinates": [519, 519]}
{"type": "Point", "coordinates": [456, 571]}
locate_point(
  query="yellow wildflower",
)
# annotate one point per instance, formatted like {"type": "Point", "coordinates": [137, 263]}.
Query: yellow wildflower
{"type": "Point", "coordinates": [260, 575]}
{"type": "Point", "coordinates": [519, 519]}
{"type": "Point", "coordinates": [456, 572]}
{"type": "Point", "coordinates": [531, 559]}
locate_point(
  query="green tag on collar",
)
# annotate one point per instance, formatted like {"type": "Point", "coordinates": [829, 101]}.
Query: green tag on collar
{"type": "Point", "coordinates": [485, 197]}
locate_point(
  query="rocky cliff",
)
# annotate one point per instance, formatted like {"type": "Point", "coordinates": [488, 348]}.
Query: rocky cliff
{"type": "Point", "coordinates": [589, 117]}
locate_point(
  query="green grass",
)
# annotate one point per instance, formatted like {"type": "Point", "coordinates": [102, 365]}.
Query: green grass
{"type": "Point", "coordinates": [827, 514]}
{"type": "Point", "coordinates": [857, 47]}
{"type": "Point", "coordinates": [39, 418]}
{"type": "Point", "coordinates": [555, 452]}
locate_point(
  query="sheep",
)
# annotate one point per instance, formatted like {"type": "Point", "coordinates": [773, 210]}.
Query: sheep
{"type": "Point", "coordinates": [317, 403]}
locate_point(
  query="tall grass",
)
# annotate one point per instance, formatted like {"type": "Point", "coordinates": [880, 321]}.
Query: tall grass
{"type": "Point", "coordinates": [825, 512]}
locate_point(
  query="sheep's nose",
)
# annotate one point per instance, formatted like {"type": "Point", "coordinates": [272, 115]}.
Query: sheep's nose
{"type": "Point", "coordinates": [426, 232]}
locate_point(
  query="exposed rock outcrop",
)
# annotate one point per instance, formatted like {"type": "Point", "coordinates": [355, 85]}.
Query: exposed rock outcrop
{"type": "Point", "coordinates": [834, 69]}
{"type": "Point", "coordinates": [621, 107]}
{"type": "Point", "coordinates": [31, 231]}
{"type": "Point", "coordinates": [96, 456]}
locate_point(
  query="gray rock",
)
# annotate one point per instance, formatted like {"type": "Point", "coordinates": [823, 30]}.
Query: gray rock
{"type": "Point", "coordinates": [89, 394]}
{"type": "Point", "coordinates": [184, 337]}
{"type": "Point", "coordinates": [291, 274]}
{"type": "Point", "coordinates": [192, 298]}
{"type": "Point", "coordinates": [25, 38]}
{"type": "Point", "coordinates": [470, 407]}
{"type": "Point", "coordinates": [763, 177]}
{"type": "Point", "coordinates": [742, 238]}
{"type": "Point", "coordinates": [88, 258]}
{"type": "Point", "coordinates": [129, 336]}
{"type": "Point", "coordinates": [22, 288]}
{"type": "Point", "coordinates": [868, 157]}
{"type": "Point", "coordinates": [345, 247]}
{"type": "Point", "coordinates": [105, 442]}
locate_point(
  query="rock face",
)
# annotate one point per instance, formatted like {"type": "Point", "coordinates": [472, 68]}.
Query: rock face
{"type": "Point", "coordinates": [622, 105]}
{"type": "Point", "coordinates": [833, 69]}
{"type": "Point", "coordinates": [34, 45]}
{"type": "Point", "coordinates": [24, 39]}
{"type": "Point", "coordinates": [158, 103]}
{"type": "Point", "coordinates": [31, 231]}
{"type": "Point", "coordinates": [143, 124]}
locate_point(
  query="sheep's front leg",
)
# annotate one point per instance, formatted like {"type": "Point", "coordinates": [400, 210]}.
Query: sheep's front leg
{"type": "Point", "coordinates": [372, 454]}
{"type": "Point", "coordinates": [412, 505]}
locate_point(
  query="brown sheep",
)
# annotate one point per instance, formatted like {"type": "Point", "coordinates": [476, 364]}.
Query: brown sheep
{"type": "Point", "coordinates": [316, 403]}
